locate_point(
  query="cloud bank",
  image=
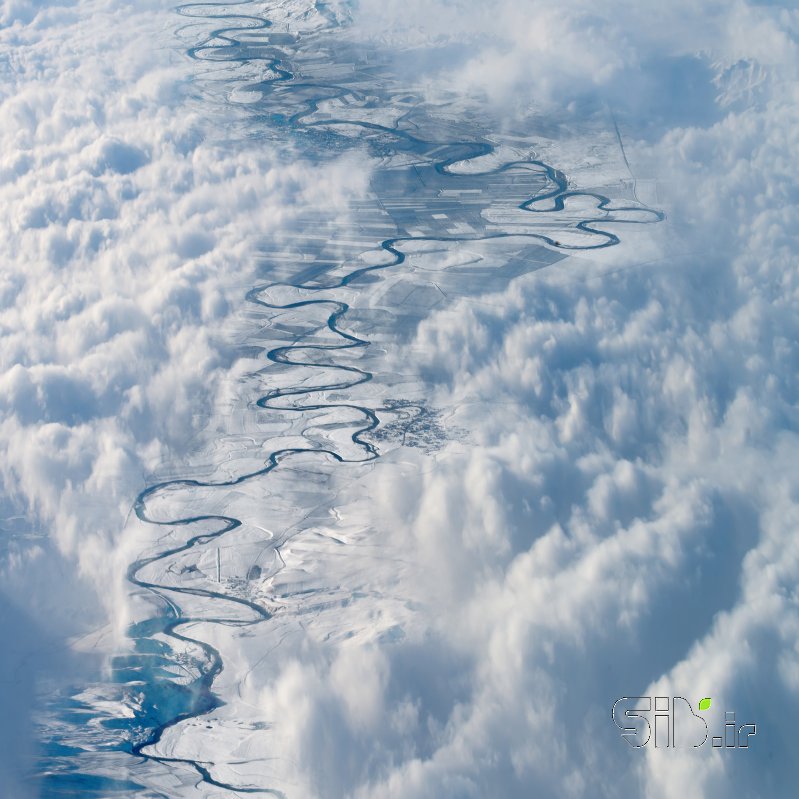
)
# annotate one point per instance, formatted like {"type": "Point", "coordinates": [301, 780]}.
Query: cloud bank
{"type": "Point", "coordinates": [619, 519]}
{"type": "Point", "coordinates": [127, 235]}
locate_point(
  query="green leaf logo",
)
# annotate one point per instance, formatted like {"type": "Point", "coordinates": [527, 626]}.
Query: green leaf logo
{"type": "Point", "coordinates": [704, 704]}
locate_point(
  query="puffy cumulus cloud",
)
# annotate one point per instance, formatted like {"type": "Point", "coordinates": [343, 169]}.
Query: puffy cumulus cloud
{"type": "Point", "coordinates": [127, 233]}
{"type": "Point", "coordinates": [597, 532]}
{"type": "Point", "coordinates": [128, 230]}
{"type": "Point", "coordinates": [656, 62]}
{"type": "Point", "coordinates": [621, 518]}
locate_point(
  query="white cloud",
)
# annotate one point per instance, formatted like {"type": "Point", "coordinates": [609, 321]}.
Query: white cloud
{"type": "Point", "coordinates": [129, 227]}
{"type": "Point", "coordinates": [620, 518]}
{"type": "Point", "coordinates": [621, 515]}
